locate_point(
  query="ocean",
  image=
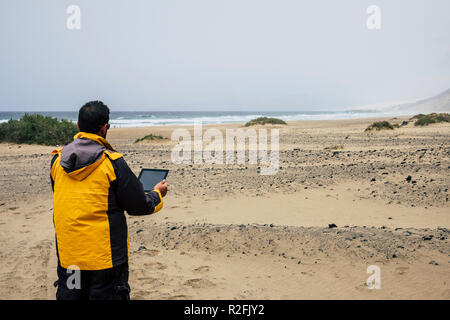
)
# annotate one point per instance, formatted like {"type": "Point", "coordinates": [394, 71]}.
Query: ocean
{"type": "Point", "coordinates": [155, 118]}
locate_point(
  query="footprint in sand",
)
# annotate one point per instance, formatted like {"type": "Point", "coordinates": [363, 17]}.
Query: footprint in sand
{"type": "Point", "coordinates": [150, 281]}
{"type": "Point", "coordinates": [150, 253]}
{"type": "Point", "coordinates": [155, 265]}
{"type": "Point", "coordinates": [201, 269]}
{"type": "Point", "coordinates": [161, 266]}
{"type": "Point", "coordinates": [401, 270]}
{"type": "Point", "coordinates": [199, 283]}
{"type": "Point", "coordinates": [140, 294]}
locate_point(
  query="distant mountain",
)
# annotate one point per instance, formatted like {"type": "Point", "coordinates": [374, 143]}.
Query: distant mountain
{"type": "Point", "coordinates": [439, 103]}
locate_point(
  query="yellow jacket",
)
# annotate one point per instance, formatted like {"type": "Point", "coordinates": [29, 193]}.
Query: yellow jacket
{"type": "Point", "coordinates": [92, 186]}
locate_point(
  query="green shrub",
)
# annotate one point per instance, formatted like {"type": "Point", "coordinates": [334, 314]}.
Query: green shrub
{"type": "Point", "coordinates": [381, 125]}
{"type": "Point", "coordinates": [37, 129]}
{"type": "Point", "coordinates": [264, 120]}
{"type": "Point", "coordinates": [424, 120]}
{"type": "Point", "coordinates": [417, 116]}
{"type": "Point", "coordinates": [149, 137]}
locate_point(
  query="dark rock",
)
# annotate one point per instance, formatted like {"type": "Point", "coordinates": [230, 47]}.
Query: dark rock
{"type": "Point", "coordinates": [443, 229]}
{"type": "Point", "coordinates": [332, 225]}
{"type": "Point", "coordinates": [408, 178]}
{"type": "Point", "coordinates": [427, 237]}
{"type": "Point", "coordinates": [433, 263]}
{"type": "Point", "coordinates": [139, 230]}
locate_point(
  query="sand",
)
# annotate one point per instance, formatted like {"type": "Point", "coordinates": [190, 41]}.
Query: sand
{"type": "Point", "coordinates": [227, 232]}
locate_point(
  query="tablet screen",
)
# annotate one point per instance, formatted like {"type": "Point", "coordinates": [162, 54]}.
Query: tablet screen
{"type": "Point", "coordinates": [150, 177]}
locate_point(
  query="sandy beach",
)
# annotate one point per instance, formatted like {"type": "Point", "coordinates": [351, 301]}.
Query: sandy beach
{"type": "Point", "coordinates": [342, 200]}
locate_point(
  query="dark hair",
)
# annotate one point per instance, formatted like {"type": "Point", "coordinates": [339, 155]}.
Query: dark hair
{"type": "Point", "coordinates": [92, 116]}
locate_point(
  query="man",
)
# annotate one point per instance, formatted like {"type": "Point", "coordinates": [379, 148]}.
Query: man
{"type": "Point", "coordinates": [93, 186]}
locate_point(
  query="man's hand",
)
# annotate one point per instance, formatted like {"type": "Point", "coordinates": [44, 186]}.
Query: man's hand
{"type": "Point", "coordinates": [162, 187]}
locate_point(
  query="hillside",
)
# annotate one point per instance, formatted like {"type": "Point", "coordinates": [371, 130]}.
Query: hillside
{"type": "Point", "coordinates": [438, 103]}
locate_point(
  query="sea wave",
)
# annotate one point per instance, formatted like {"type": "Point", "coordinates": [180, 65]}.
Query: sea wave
{"type": "Point", "coordinates": [143, 119]}
{"type": "Point", "coordinates": [144, 122]}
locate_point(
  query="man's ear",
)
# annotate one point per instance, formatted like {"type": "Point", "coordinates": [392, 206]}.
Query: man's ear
{"type": "Point", "coordinates": [102, 131]}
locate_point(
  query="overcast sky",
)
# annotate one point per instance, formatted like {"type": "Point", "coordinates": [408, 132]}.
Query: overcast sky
{"type": "Point", "coordinates": [221, 54]}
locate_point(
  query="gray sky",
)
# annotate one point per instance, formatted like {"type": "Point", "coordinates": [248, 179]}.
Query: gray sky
{"type": "Point", "coordinates": [221, 54]}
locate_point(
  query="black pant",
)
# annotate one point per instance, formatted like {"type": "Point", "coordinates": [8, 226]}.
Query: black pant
{"type": "Point", "coordinates": [107, 284]}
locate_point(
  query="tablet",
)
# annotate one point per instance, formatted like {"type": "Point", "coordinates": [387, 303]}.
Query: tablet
{"type": "Point", "coordinates": [151, 177]}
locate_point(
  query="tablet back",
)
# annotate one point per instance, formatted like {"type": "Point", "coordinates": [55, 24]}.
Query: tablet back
{"type": "Point", "coordinates": [150, 177]}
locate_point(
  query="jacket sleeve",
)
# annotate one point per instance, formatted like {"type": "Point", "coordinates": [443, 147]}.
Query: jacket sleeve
{"type": "Point", "coordinates": [130, 193]}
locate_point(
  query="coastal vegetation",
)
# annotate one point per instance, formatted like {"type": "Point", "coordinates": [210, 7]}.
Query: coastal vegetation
{"type": "Point", "coordinates": [381, 125]}
{"type": "Point", "coordinates": [38, 129]}
{"type": "Point", "coordinates": [426, 119]}
{"type": "Point", "coordinates": [265, 120]}
{"type": "Point", "coordinates": [149, 137]}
